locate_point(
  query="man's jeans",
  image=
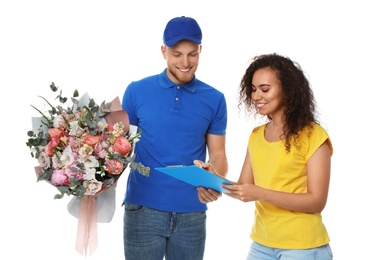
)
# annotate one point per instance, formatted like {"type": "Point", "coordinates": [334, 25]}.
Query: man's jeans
{"type": "Point", "coordinates": [152, 234]}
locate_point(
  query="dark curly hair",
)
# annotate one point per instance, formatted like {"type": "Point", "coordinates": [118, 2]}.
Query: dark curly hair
{"type": "Point", "coordinates": [298, 99]}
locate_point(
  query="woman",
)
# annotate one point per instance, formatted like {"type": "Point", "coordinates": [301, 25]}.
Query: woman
{"type": "Point", "coordinates": [287, 166]}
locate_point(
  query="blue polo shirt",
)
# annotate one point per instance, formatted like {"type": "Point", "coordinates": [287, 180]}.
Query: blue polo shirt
{"type": "Point", "coordinates": [174, 120]}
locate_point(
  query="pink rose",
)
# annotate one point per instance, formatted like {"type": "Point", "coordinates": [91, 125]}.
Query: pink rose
{"type": "Point", "coordinates": [44, 160]}
{"type": "Point", "coordinates": [59, 178]}
{"type": "Point", "coordinates": [122, 145]}
{"type": "Point", "coordinates": [114, 166]}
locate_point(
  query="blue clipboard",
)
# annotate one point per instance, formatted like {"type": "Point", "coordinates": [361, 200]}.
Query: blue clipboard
{"type": "Point", "coordinates": [196, 176]}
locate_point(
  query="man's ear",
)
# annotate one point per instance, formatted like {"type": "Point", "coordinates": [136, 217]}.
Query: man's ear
{"type": "Point", "coordinates": [164, 51]}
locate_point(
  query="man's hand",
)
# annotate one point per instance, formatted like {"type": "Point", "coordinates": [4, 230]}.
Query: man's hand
{"type": "Point", "coordinates": [207, 195]}
{"type": "Point", "coordinates": [205, 165]}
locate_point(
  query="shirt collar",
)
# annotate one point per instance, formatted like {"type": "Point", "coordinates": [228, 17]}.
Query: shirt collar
{"type": "Point", "coordinates": [165, 82]}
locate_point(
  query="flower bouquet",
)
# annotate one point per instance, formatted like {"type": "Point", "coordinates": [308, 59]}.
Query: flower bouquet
{"type": "Point", "coordinates": [82, 150]}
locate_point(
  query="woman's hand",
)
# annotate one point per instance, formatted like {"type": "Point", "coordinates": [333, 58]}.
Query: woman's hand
{"type": "Point", "coordinates": [242, 192]}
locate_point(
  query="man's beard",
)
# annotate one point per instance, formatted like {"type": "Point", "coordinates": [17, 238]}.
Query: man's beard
{"type": "Point", "coordinates": [182, 80]}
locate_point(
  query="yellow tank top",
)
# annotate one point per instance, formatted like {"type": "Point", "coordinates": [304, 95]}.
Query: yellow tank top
{"type": "Point", "coordinates": [275, 169]}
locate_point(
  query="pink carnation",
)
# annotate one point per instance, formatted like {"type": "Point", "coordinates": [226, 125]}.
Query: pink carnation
{"type": "Point", "coordinates": [99, 151]}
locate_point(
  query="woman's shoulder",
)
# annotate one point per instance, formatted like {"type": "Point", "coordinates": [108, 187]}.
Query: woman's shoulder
{"type": "Point", "coordinates": [259, 128]}
{"type": "Point", "coordinates": [316, 134]}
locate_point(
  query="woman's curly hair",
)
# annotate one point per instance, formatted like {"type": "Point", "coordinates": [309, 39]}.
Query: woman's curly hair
{"type": "Point", "coordinates": [298, 99]}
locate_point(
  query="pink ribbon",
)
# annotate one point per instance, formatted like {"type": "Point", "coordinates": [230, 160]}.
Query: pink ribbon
{"type": "Point", "coordinates": [87, 237]}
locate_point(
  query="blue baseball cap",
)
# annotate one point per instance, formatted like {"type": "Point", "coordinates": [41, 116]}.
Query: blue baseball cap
{"type": "Point", "coordinates": [182, 28]}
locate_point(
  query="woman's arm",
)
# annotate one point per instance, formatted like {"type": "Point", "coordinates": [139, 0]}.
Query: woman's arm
{"type": "Point", "coordinates": [313, 201]}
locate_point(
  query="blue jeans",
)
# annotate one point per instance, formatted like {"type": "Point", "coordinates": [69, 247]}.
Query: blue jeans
{"type": "Point", "coordinates": [151, 234]}
{"type": "Point", "coordinates": [260, 252]}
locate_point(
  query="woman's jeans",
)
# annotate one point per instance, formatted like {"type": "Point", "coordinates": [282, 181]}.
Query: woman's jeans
{"type": "Point", "coordinates": [260, 252]}
{"type": "Point", "coordinates": [152, 234]}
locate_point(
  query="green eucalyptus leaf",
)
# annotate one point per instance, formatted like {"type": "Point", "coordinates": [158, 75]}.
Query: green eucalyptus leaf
{"type": "Point", "coordinates": [94, 109]}
{"type": "Point", "coordinates": [45, 175]}
{"type": "Point", "coordinates": [91, 103]}
{"type": "Point", "coordinates": [80, 164]}
{"type": "Point", "coordinates": [80, 191]}
{"type": "Point", "coordinates": [53, 87]}
{"type": "Point", "coordinates": [74, 169]}
{"type": "Point", "coordinates": [75, 101]}
{"type": "Point", "coordinates": [63, 99]}
{"type": "Point", "coordinates": [63, 189]}
{"type": "Point", "coordinates": [59, 196]}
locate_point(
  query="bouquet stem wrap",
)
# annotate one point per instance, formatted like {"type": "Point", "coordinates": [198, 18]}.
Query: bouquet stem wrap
{"type": "Point", "coordinates": [87, 232]}
{"type": "Point", "coordinates": [87, 237]}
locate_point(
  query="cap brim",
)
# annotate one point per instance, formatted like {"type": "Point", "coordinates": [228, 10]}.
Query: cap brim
{"type": "Point", "coordinates": [175, 40]}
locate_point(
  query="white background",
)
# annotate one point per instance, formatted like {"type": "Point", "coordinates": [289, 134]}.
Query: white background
{"type": "Point", "coordinates": [99, 47]}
